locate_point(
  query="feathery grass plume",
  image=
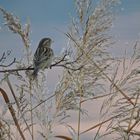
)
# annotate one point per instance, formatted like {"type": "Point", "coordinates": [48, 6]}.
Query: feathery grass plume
{"type": "Point", "coordinates": [13, 23]}
{"type": "Point", "coordinates": [4, 130]}
{"type": "Point", "coordinates": [88, 36]}
{"type": "Point", "coordinates": [89, 39]}
{"type": "Point", "coordinates": [127, 77]}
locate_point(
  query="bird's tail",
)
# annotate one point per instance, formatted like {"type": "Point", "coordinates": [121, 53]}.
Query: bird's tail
{"type": "Point", "coordinates": [34, 74]}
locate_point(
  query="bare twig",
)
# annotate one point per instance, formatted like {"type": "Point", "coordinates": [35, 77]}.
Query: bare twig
{"type": "Point", "coordinates": [56, 64]}
{"type": "Point", "coordinates": [16, 70]}
{"type": "Point", "coordinates": [61, 60]}
{"type": "Point", "coordinates": [69, 68]}
{"type": "Point", "coordinates": [2, 57]}
{"type": "Point", "coordinates": [14, 60]}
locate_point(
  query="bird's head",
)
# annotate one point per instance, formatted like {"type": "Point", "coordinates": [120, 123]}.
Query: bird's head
{"type": "Point", "coordinates": [45, 42]}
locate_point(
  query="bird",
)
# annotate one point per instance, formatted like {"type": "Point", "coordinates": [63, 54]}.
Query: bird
{"type": "Point", "coordinates": [43, 56]}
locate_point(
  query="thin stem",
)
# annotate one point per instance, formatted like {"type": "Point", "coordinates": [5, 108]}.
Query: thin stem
{"type": "Point", "coordinates": [16, 70]}
{"type": "Point", "coordinates": [96, 97]}
{"type": "Point", "coordinates": [130, 127]}
{"type": "Point", "coordinates": [17, 103]}
{"type": "Point", "coordinates": [103, 122]}
{"type": "Point", "coordinates": [8, 65]}
{"type": "Point", "coordinates": [99, 124]}
{"type": "Point", "coordinates": [12, 111]}
{"type": "Point", "coordinates": [79, 119]}
{"type": "Point", "coordinates": [100, 69]}
{"type": "Point", "coordinates": [98, 132]}
{"type": "Point", "coordinates": [31, 111]}
{"type": "Point", "coordinates": [80, 105]}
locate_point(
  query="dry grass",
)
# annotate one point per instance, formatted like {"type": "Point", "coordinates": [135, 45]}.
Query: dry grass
{"type": "Point", "coordinates": [89, 73]}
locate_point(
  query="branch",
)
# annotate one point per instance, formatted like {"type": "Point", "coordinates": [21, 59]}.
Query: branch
{"type": "Point", "coordinates": [56, 64]}
{"type": "Point", "coordinates": [61, 60]}
{"type": "Point", "coordinates": [69, 68]}
{"type": "Point", "coordinates": [15, 70]}
{"type": "Point", "coordinates": [14, 60]}
{"type": "Point", "coordinates": [3, 57]}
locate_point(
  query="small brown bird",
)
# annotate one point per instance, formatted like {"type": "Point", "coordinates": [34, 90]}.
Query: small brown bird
{"type": "Point", "coordinates": [43, 56]}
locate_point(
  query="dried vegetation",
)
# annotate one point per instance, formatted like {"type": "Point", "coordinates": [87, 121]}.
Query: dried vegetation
{"type": "Point", "coordinates": [89, 73]}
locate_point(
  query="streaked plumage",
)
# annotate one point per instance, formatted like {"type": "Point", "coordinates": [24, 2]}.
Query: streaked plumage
{"type": "Point", "coordinates": [43, 56]}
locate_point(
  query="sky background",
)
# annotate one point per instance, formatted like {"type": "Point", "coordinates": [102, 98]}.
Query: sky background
{"type": "Point", "coordinates": [49, 16]}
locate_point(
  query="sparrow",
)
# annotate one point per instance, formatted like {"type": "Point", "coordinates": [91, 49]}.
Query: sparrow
{"type": "Point", "coordinates": [43, 56]}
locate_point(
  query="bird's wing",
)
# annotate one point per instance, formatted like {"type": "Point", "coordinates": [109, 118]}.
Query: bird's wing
{"type": "Point", "coordinates": [42, 54]}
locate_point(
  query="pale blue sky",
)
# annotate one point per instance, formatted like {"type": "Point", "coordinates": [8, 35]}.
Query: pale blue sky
{"type": "Point", "coordinates": [46, 15]}
{"type": "Point", "coordinates": [126, 29]}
